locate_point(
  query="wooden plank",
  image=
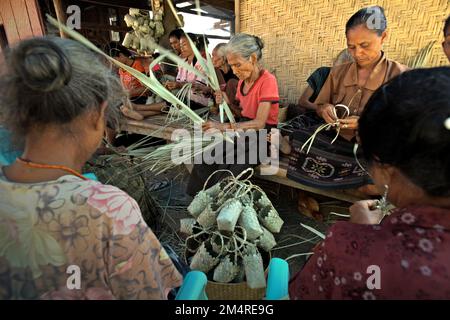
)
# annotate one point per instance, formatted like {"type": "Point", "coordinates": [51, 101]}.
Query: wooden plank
{"type": "Point", "coordinates": [104, 27]}
{"type": "Point", "coordinates": [34, 14]}
{"type": "Point", "coordinates": [155, 126]}
{"type": "Point", "coordinates": [237, 16]}
{"type": "Point", "coordinates": [335, 194]}
{"type": "Point", "coordinates": [22, 20]}
{"type": "Point", "coordinates": [225, 4]}
{"type": "Point", "coordinates": [348, 195]}
{"type": "Point", "coordinates": [9, 22]}
{"type": "Point", "coordinates": [60, 9]}
{"type": "Point", "coordinates": [152, 126]}
{"type": "Point", "coordinates": [121, 4]}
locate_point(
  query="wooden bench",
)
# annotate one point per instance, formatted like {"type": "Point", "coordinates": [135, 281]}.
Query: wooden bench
{"type": "Point", "coordinates": [348, 195]}
{"type": "Point", "coordinates": [155, 126]}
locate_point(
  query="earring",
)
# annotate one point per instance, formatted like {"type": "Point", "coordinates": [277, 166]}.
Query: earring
{"type": "Point", "coordinates": [383, 204]}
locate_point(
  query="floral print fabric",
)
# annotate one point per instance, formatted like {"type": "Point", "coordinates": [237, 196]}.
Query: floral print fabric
{"type": "Point", "coordinates": [45, 228]}
{"type": "Point", "coordinates": [411, 247]}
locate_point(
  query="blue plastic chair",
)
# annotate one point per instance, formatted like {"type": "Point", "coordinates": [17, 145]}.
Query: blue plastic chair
{"type": "Point", "coordinates": [8, 155]}
{"type": "Point", "coordinates": [278, 280]}
{"type": "Point", "coordinates": [193, 288]}
{"type": "Point", "coordinates": [195, 282]}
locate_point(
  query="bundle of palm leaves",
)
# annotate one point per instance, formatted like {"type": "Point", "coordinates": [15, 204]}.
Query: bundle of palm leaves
{"type": "Point", "coordinates": [160, 159]}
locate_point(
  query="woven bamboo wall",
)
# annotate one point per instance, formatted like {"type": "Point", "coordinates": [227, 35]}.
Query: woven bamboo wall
{"type": "Point", "coordinates": [302, 35]}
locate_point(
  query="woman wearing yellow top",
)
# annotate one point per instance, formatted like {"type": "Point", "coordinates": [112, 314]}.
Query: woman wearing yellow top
{"type": "Point", "coordinates": [350, 84]}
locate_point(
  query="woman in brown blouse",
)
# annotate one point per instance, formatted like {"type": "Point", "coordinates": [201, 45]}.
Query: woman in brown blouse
{"type": "Point", "coordinates": [350, 84]}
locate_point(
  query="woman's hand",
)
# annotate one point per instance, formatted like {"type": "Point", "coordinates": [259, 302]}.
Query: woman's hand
{"type": "Point", "coordinates": [362, 212]}
{"type": "Point", "coordinates": [328, 113]}
{"type": "Point", "coordinates": [130, 113]}
{"type": "Point", "coordinates": [350, 123]}
{"type": "Point", "coordinates": [172, 85]}
{"type": "Point", "coordinates": [212, 125]}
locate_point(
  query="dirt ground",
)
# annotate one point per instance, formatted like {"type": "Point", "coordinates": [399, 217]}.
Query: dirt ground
{"type": "Point", "coordinates": [292, 240]}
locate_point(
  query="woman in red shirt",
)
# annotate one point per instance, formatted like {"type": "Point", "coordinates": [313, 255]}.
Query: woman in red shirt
{"type": "Point", "coordinates": [258, 97]}
{"type": "Point", "coordinates": [136, 90]}
{"type": "Point", "coordinates": [405, 136]}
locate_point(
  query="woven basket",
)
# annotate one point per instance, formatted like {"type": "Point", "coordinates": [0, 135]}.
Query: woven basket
{"type": "Point", "coordinates": [235, 291]}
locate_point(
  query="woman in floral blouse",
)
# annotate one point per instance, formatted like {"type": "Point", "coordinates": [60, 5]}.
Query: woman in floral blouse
{"type": "Point", "coordinates": [405, 136]}
{"type": "Point", "coordinates": [63, 236]}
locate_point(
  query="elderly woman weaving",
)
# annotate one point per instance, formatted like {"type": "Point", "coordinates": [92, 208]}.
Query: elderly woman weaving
{"type": "Point", "coordinates": [350, 86]}
{"type": "Point", "coordinates": [257, 94]}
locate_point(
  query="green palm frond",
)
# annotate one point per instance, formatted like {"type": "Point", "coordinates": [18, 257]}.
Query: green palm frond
{"type": "Point", "coordinates": [151, 82]}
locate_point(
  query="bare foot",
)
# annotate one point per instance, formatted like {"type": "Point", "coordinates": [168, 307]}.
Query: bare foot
{"type": "Point", "coordinates": [285, 146]}
{"type": "Point", "coordinates": [308, 206]}
{"type": "Point", "coordinates": [370, 190]}
{"type": "Point", "coordinates": [131, 113]}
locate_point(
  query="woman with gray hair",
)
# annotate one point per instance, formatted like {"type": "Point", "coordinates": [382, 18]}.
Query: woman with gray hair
{"type": "Point", "coordinates": [258, 98]}
{"type": "Point", "coordinates": [56, 95]}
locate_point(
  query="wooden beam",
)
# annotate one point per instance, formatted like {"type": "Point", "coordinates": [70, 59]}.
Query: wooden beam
{"type": "Point", "coordinates": [219, 4]}
{"type": "Point", "coordinates": [104, 27]}
{"type": "Point", "coordinates": [237, 16]}
{"type": "Point", "coordinates": [211, 15]}
{"type": "Point", "coordinates": [121, 4]}
{"type": "Point", "coordinates": [9, 22]}
{"type": "Point", "coordinates": [61, 16]}
{"type": "Point", "coordinates": [210, 36]}
{"type": "Point", "coordinates": [34, 13]}
{"type": "Point", "coordinates": [224, 4]}
{"type": "Point", "coordinates": [23, 25]}
{"type": "Point", "coordinates": [350, 195]}
{"type": "Point", "coordinates": [154, 126]}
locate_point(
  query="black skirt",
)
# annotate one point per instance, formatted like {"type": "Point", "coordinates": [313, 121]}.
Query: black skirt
{"type": "Point", "coordinates": [236, 158]}
{"type": "Point", "coordinates": [326, 166]}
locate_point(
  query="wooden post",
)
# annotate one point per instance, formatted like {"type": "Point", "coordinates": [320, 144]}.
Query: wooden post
{"type": "Point", "coordinates": [237, 16]}
{"type": "Point", "coordinates": [34, 14]}
{"type": "Point", "coordinates": [9, 23]}
{"type": "Point", "coordinates": [169, 23]}
{"type": "Point", "coordinates": [61, 16]}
